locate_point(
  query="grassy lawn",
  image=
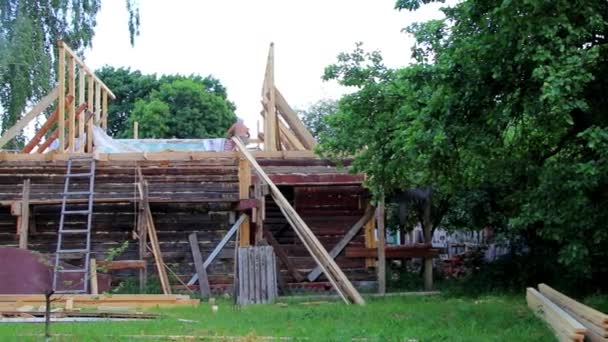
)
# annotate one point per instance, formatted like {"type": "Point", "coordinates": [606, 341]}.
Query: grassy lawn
{"type": "Point", "coordinates": [437, 318]}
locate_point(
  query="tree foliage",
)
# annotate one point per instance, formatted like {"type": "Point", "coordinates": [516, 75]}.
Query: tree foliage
{"type": "Point", "coordinates": [314, 116]}
{"type": "Point", "coordinates": [170, 106]}
{"type": "Point", "coordinates": [502, 113]}
{"type": "Point", "coordinates": [29, 31]}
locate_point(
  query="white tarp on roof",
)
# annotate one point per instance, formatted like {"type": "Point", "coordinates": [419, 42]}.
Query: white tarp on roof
{"type": "Point", "coordinates": [106, 144]}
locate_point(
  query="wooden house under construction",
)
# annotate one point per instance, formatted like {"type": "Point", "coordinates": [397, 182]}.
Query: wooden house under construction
{"type": "Point", "coordinates": [283, 195]}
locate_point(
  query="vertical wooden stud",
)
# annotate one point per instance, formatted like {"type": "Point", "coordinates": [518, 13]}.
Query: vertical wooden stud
{"type": "Point", "coordinates": [136, 130]}
{"type": "Point", "coordinates": [104, 110]}
{"type": "Point", "coordinates": [72, 105]}
{"type": "Point", "coordinates": [93, 277]}
{"type": "Point", "coordinates": [244, 185]}
{"type": "Point", "coordinates": [97, 103]}
{"type": "Point", "coordinates": [370, 240]}
{"type": "Point", "coordinates": [271, 142]}
{"type": "Point", "coordinates": [381, 245]}
{"type": "Point", "coordinates": [61, 99]}
{"type": "Point", "coordinates": [90, 96]}
{"type": "Point", "coordinates": [24, 223]}
{"type": "Point", "coordinates": [81, 89]}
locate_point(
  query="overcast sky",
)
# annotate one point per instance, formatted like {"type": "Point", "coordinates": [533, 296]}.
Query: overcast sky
{"type": "Point", "coordinates": [229, 39]}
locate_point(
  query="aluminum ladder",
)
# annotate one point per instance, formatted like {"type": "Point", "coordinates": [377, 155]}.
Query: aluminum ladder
{"type": "Point", "coordinates": [84, 253]}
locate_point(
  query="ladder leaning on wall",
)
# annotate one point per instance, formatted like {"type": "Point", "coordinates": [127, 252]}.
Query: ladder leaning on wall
{"type": "Point", "coordinates": [73, 189]}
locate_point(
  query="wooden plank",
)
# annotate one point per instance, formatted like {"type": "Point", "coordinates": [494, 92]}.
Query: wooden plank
{"type": "Point", "coordinates": [104, 110]}
{"type": "Point", "coordinates": [48, 124]}
{"type": "Point", "coordinates": [340, 282]}
{"type": "Point", "coordinates": [61, 99]}
{"type": "Point", "coordinates": [592, 315]}
{"type": "Point", "coordinates": [290, 137]}
{"type": "Point", "coordinates": [216, 251]}
{"type": "Point", "coordinates": [122, 264]}
{"type": "Point", "coordinates": [297, 126]}
{"type": "Point", "coordinates": [244, 186]}
{"type": "Point", "coordinates": [143, 241]}
{"type": "Point", "coordinates": [381, 244]}
{"type": "Point", "coordinates": [81, 97]}
{"type": "Point", "coordinates": [565, 327]}
{"type": "Point", "coordinates": [337, 249]}
{"type": "Point", "coordinates": [55, 134]}
{"type": "Point", "coordinates": [83, 66]}
{"type": "Point", "coordinates": [201, 271]}
{"type": "Point", "coordinates": [25, 215]}
{"type": "Point", "coordinates": [370, 241]}
{"type": "Point", "coordinates": [90, 103]}
{"type": "Point", "coordinates": [32, 114]}
{"type": "Point", "coordinates": [93, 277]}
{"type": "Point", "coordinates": [271, 141]}
{"type": "Point", "coordinates": [158, 258]}
{"type": "Point", "coordinates": [136, 130]}
{"type": "Point", "coordinates": [283, 256]}
{"type": "Point", "coordinates": [72, 106]}
{"type": "Point", "coordinates": [97, 104]}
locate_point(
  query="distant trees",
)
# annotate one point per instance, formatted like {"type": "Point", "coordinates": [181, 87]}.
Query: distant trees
{"type": "Point", "coordinates": [172, 106]}
{"type": "Point", "coordinates": [29, 30]}
{"type": "Point", "coordinates": [503, 115]}
{"type": "Point", "coordinates": [314, 116]}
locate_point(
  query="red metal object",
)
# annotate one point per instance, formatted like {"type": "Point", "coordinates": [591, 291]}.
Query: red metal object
{"type": "Point", "coordinates": [26, 272]}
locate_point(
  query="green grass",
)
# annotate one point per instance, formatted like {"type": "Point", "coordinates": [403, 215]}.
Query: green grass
{"type": "Point", "coordinates": [437, 318]}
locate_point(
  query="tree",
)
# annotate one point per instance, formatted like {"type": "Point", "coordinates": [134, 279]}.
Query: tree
{"type": "Point", "coordinates": [314, 116]}
{"type": "Point", "coordinates": [131, 86]}
{"type": "Point", "coordinates": [502, 114]}
{"type": "Point", "coordinates": [29, 31]}
{"type": "Point", "coordinates": [182, 109]}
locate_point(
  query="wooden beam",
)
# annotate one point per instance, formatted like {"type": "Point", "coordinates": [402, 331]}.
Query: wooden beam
{"type": "Point", "coordinates": [55, 133]}
{"type": "Point", "coordinates": [25, 215]}
{"type": "Point", "coordinates": [565, 327]}
{"type": "Point", "coordinates": [271, 134]}
{"type": "Point", "coordinates": [590, 314]}
{"type": "Point", "coordinates": [297, 126]}
{"type": "Point", "coordinates": [122, 264]}
{"type": "Point", "coordinates": [32, 114]}
{"type": "Point", "coordinates": [48, 124]}
{"type": "Point", "coordinates": [381, 244]}
{"type": "Point", "coordinates": [352, 232]}
{"type": "Point", "coordinates": [216, 251]}
{"type": "Point", "coordinates": [61, 101]}
{"type": "Point", "coordinates": [143, 240]}
{"type": "Point", "coordinates": [158, 258]}
{"type": "Point", "coordinates": [81, 98]}
{"type": "Point", "coordinates": [93, 277]}
{"type": "Point", "coordinates": [72, 106]}
{"type": "Point", "coordinates": [370, 241]}
{"type": "Point", "coordinates": [104, 110]}
{"type": "Point", "coordinates": [244, 185]}
{"type": "Point", "coordinates": [90, 99]}
{"type": "Point", "coordinates": [283, 256]}
{"type": "Point", "coordinates": [201, 271]}
{"type": "Point", "coordinates": [136, 130]}
{"type": "Point", "coordinates": [290, 137]}
{"type": "Point", "coordinates": [97, 104]}
{"type": "Point", "coordinates": [86, 69]}
{"type": "Point", "coordinates": [340, 282]}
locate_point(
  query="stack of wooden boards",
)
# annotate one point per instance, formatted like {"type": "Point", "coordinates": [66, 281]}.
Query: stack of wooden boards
{"type": "Point", "coordinates": [569, 319]}
{"type": "Point", "coordinates": [12, 302]}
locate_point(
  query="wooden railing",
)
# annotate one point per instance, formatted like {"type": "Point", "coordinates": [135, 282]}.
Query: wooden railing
{"type": "Point", "coordinates": [90, 90]}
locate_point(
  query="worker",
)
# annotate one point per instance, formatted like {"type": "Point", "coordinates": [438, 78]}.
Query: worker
{"type": "Point", "coordinates": [238, 129]}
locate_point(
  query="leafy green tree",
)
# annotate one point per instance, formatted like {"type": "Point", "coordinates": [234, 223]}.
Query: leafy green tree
{"type": "Point", "coordinates": [131, 86]}
{"type": "Point", "coordinates": [29, 31]}
{"type": "Point", "coordinates": [182, 109]}
{"type": "Point", "coordinates": [502, 114]}
{"type": "Point", "coordinates": [314, 116]}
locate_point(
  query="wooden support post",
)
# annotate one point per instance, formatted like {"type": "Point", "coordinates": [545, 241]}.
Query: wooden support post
{"type": "Point", "coordinates": [104, 110]}
{"type": "Point", "coordinates": [93, 277]}
{"type": "Point", "coordinates": [25, 215]}
{"type": "Point", "coordinates": [72, 106]}
{"type": "Point", "coordinates": [136, 130]}
{"type": "Point", "coordinates": [61, 101]}
{"type": "Point", "coordinates": [97, 104]}
{"type": "Point", "coordinates": [158, 258]}
{"type": "Point", "coordinates": [381, 244]}
{"type": "Point", "coordinates": [81, 97]}
{"type": "Point", "coordinates": [271, 134]}
{"type": "Point", "coordinates": [370, 240]}
{"type": "Point", "coordinates": [143, 243]}
{"type": "Point", "coordinates": [90, 97]}
{"type": "Point", "coordinates": [428, 238]}
{"type": "Point", "coordinates": [203, 280]}
{"type": "Point", "coordinates": [244, 185]}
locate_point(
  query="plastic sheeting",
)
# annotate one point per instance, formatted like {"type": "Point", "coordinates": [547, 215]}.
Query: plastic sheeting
{"type": "Point", "coordinates": [106, 144]}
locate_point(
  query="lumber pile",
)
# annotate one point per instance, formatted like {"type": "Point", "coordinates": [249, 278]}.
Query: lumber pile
{"type": "Point", "coordinates": [594, 321]}
{"type": "Point", "coordinates": [568, 318]}
{"type": "Point", "coordinates": [12, 302]}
